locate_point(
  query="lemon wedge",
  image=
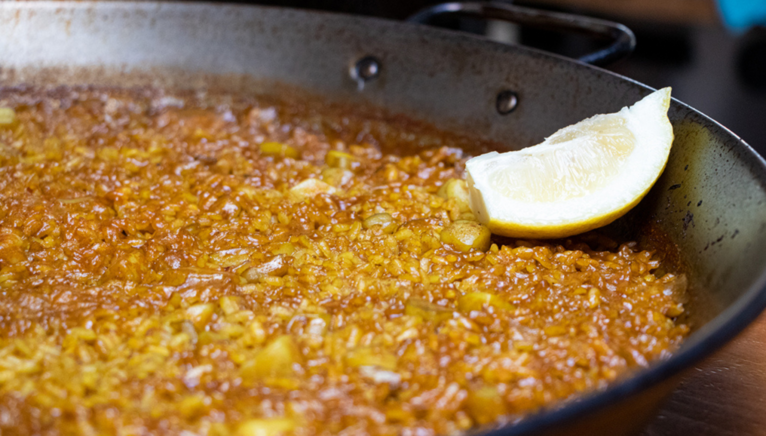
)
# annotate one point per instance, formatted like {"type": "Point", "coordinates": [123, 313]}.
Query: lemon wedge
{"type": "Point", "coordinates": [582, 177]}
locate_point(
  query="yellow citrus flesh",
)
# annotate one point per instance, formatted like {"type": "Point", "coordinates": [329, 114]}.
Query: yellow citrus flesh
{"type": "Point", "coordinates": [582, 177]}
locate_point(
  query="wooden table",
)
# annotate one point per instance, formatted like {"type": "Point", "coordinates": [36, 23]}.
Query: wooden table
{"type": "Point", "coordinates": [725, 395]}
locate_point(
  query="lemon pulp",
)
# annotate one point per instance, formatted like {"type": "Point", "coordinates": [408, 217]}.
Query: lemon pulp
{"type": "Point", "coordinates": [584, 176]}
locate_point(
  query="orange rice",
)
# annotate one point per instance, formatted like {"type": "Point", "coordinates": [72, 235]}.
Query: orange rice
{"type": "Point", "coordinates": [161, 273]}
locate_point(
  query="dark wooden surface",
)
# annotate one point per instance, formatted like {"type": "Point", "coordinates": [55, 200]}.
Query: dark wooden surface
{"type": "Point", "coordinates": [723, 396]}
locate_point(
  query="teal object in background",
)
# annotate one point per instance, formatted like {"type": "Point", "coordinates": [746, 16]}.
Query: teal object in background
{"type": "Point", "coordinates": [740, 15]}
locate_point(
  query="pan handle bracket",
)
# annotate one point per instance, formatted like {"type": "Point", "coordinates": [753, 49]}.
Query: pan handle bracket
{"type": "Point", "coordinates": [622, 39]}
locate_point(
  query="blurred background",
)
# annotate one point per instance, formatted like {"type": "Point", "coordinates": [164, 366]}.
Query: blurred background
{"type": "Point", "coordinates": [712, 52]}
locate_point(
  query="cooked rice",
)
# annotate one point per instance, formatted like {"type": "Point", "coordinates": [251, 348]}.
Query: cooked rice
{"type": "Point", "coordinates": [161, 273]}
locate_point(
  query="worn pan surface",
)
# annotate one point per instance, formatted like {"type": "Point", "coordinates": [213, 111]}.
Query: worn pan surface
{"type": "Point", "coordinates": [711, 199]}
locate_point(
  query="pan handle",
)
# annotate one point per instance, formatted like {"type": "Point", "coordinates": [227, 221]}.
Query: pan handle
{"type": "Point", "coordinates": [623, 40]}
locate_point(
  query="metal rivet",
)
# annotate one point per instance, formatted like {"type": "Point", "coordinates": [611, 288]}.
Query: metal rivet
{"type": "Point", "coordinates": [365, 69]}
{"type": "Point", "coordinates": [506, 102]}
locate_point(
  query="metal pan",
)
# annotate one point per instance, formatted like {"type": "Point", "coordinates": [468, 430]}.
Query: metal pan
{"type": "Point", "coordinates": [710, 201]}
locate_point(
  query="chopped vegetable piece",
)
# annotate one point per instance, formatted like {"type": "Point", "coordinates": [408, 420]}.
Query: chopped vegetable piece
{"type": "Point", "coordinates": [427, 311]}
{"type": "Point", "coordinates": [485, 405]}
{"type": "Point", "coordinates": [200, 314]}
{"type": "Point", "coordinates": [384, 220]}
{"type": "Point", "coordinates": [457, 190]}
{"type": "Point", "coordinates": [339, 159]}
{"type": "Point", "coordinates": [279, 149]}
{"type": "Point", "coordinates": [554, 330]}
{"type": "Point", "coordinates": [192, 406]}
{"type": "Point", "coordinates": [266, 427]}
{"type": "Point", "coordinates": [477, 300]}
{"type": "Point", "coordinates": [229, 304]}
{"type": "Point", "coordinates": [365, 356]}
{"type": "Point", "coordinates": [274, 361]}
{"type": "Point", "coordinates": [7, 116]}
{"type": "Point", "coordinates": [276, 267]}
{"type": "Point", "coordinates": [336, 176]}
{"type": "Point", "coordinates": [309, 188]}
{"type": "Point", "coordinates": [466, 235]}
